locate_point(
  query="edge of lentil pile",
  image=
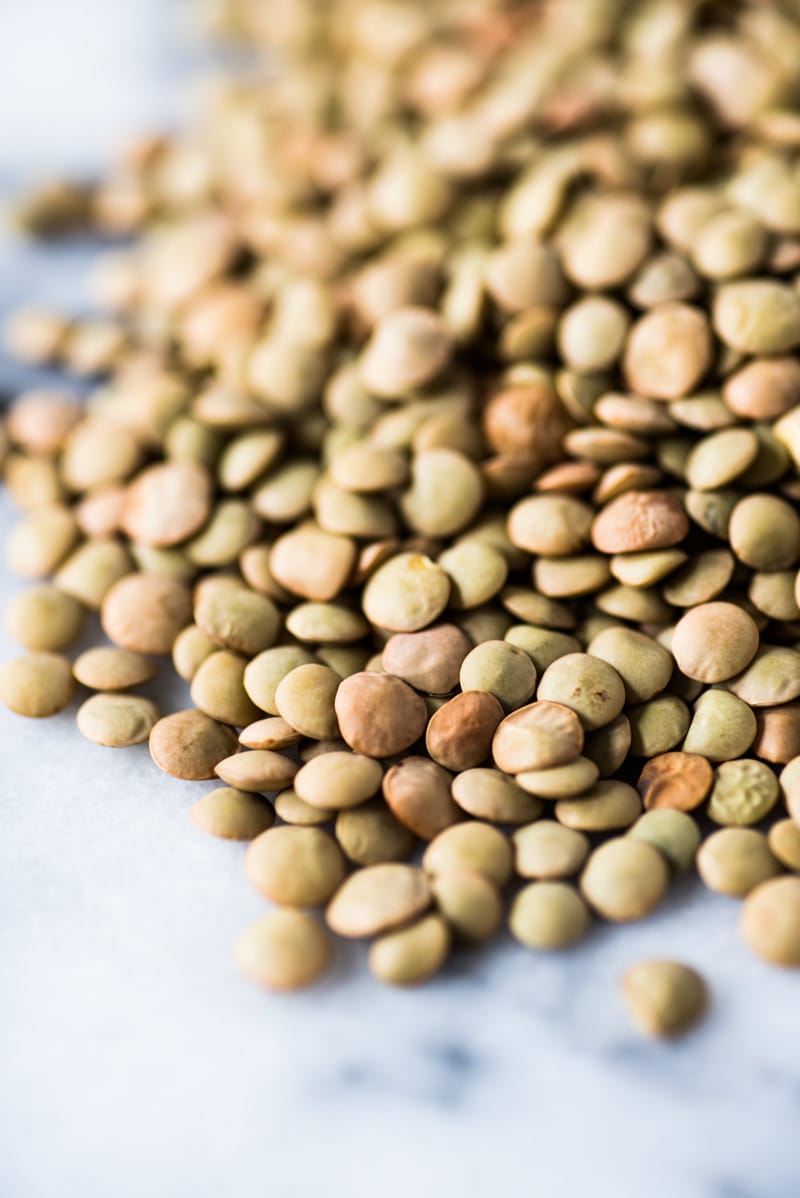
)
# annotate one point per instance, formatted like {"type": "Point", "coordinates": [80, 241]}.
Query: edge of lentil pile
{"type": "Point", "coordinates": [443, 428]}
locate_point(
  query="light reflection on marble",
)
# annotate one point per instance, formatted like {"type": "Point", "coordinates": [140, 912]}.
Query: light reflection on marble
{"type": "Point", "coordinates": [134, 1063]}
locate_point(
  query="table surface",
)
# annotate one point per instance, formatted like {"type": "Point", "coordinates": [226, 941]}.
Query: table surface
{"type": "Point", "coordinates": [133, 1059]}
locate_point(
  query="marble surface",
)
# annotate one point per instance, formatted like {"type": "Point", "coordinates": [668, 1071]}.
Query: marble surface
{"type": "Point", "coordinates": [134, 1063]}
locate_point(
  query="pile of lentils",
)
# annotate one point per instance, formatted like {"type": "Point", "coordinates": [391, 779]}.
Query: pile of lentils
{"type": "Point", "coordinates": [444, 428]}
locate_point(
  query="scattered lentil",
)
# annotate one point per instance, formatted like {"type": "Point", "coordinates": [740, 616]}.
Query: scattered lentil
{"type": "Point", "coordinates": [284, 951]}
{"type": "Point", "coordinates": [37, 685]}
{"type": "Point", "coordinates": [665, 998]}
{"type": "Point", "coordinates": [44, 619]}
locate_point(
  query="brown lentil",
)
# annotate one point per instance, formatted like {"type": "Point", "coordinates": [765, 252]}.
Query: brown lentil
{"type": "Point", "coordinates": [190, 745]}
{"type": "Point", "coordinates": [549, 915]}
{"type": "Point", "coordinates": [677, 781]}
{"type": "Point", "coordinates": [537, 737]}
{"type": "Point", "coordinates": [546, 849]}
{"type": "Point", "coordinates": [284, 951]}
{"type": "Point", "coordinates": [217, 689]}
{"type": "Point", "coordinates": [167, 503]}
{"type": "Point", "coordinates": [468, 901]}
{"type": "Point", "coordinates": [371, 835]}
{"type": "Point", "coordinates": [378, 714]}
{"type": "Point", "coordinates": [232, 814]}
{"type": "Point", "coordinates": [674, 833]}
{"type": "Point", "coordinates": [429, 660]}
{"type": "Point", "coordinates": [417, 791]}
{"type": "Point", "coordinates": [44, 618]}
{"type": "Point", "coordinates": [605, 806]}
{"type": "Point", "coordinates": [145, 612]}
{"type": "Point", "coordinates": [411, 955]}
{"type": "Point", "coordinates": [733, 861]}
{"type": "Point", "coordinates": [296, 867]}
{"type": "Point", "coordinates": [335, 781]}
{"type": "Point", "coordinates": [459, 735]}
{"type": "Point", "coordinates": [270, 733]}
{"type": "Point", "coordinates": [471, 845]}
{"type": "Point", "coordinates": [665, 998]}
{"type": "Point", "coordinates": [783, 839]}
{"type": "Point", "coordinates": [770, 921]}
{"type": "Point", "coordinates": [624, 879]}
{"type": "Point", "coordinates": [490, 794]}
{"type": "Point", "coordinates": [378, 898]}
{"type": "Point", "coordinates": [117, 720]}
{"type": "Point", "coordinates": [109, 669]}
{"type": "Point", "coordinates": [37, 685]}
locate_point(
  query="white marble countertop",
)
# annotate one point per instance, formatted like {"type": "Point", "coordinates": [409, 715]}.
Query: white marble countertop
{"type": "Point", "coordinates": [134, 1062]}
